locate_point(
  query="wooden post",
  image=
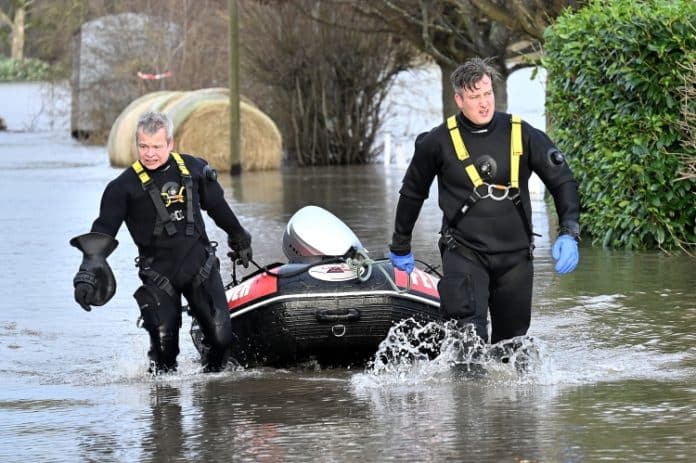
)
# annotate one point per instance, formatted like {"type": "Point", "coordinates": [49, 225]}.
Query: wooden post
{"type": "Point", "coordinates": [235, 145]}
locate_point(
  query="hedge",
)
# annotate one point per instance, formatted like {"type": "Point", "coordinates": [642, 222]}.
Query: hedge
{"type": "Point", "coordinates": [616, 77]}
{"type": "Point", "coordinates": [12, 70]}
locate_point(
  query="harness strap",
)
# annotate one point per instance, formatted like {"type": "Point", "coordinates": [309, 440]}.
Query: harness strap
{"type": "Point", "coordinates": [462, 153]}
{"type": "Point", "coordinates": [159, 280]}
{"type": "Point", "coordinates": [527, 227]}
{"type": "Point", "coordinates": [516, 152]}
{"type": "Point", "coordinates": [188, 184]}
{"type": "Point", "coordinates": [150, 187]}
{"type": "Point", "coordinates": [164, 219]}
{"type": "Point", "coordinates": [204, 273]}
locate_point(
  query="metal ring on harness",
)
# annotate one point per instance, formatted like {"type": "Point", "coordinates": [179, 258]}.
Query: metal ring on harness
{"type": "Point", "coordinates": [491, 190]}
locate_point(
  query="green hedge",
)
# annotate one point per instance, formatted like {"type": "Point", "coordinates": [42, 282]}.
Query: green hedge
{"type": "Point", "coordinates": [22, 70]}
{"type": "Point", "coordinates": [615, 69]}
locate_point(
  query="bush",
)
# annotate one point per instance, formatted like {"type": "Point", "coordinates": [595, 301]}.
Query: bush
{"type": "Point", "coordinates": [21, 70]}
{"type": "Point", "coordinates": [616, 71]}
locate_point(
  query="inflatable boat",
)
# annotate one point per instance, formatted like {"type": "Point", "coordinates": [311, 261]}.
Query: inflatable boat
{"type": "Point", "coordinates": [330, 304]}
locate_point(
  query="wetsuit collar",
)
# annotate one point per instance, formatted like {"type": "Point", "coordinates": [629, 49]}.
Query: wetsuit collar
{"type": "Point", "coordinates": [474, 128]}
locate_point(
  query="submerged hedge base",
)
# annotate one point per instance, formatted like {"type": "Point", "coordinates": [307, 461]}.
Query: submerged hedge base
{"type": "Point", "coordinates": [201, 127]}
{"type": "Point", "coordinates": [616, 73]}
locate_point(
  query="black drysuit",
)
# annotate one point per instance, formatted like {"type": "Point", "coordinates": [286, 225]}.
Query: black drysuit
{"type": "Point", "coordinates": [171, 260]}
{"type": "Point", "coordinates": [486, 252]}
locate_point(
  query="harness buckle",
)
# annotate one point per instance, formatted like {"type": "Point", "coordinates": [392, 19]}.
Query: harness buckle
{"type": "Point", "coordinates": [497, 192]}
{"type": "Point", "coordinates": [177, 215]}
{"type": "Point", "coordinates": [485, 193]}
{"type": "Point", "coordinates": [495, 197]}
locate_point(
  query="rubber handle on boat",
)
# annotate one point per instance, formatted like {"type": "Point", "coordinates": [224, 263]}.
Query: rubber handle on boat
{"type": "Point", "coordinates": [337, 315]}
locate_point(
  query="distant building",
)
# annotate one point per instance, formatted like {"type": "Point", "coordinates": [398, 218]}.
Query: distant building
{"type": "Point", "coordinates": [108, 53]}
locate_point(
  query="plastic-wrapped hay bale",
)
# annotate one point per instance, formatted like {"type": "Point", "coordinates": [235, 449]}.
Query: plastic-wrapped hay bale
{"type": "Point", "coordinates": [121, 142]}
{"type": "Point", "coordinates": [205, 132]}
{"type": "Point", "coordinates": [193, 100]}
{"type": "Point", "coordinates": [261, 142]}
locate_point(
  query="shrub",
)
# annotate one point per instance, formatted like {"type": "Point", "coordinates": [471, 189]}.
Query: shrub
{"type": "Point", "coordinates": [22, 70]}
{"type": "Point", "coordinates": [615, 70]}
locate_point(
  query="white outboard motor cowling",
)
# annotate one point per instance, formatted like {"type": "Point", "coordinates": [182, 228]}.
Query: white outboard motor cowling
{"type": "Point", "coordinates": [313, 233]}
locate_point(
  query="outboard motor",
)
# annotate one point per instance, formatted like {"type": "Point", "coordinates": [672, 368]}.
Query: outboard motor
{"type": "Point", "coordinates": [313, 234]}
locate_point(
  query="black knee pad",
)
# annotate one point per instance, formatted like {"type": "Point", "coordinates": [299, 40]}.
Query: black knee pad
{"type": "Point", "coordinates": [161, 316]}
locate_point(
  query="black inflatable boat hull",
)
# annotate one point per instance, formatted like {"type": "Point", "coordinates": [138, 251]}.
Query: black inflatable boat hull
{"type": "Point", "coordinates": [323, 313]}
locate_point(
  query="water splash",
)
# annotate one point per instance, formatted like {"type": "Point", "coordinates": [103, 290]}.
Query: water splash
{"type": "Point", "coordinates": [415, 351]}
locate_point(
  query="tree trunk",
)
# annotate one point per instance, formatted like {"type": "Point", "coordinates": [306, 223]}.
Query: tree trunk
{"type": "Point", "coordinates": [449, 107]}
{"type": "Point", "coordinates": [501, 95]}
{"type": "Point", "coordinates": [18, 34]}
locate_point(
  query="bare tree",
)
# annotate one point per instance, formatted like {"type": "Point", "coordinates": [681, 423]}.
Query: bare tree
{"type": "Point", "coordinates": [451, 31]}
{"type": "Point", "coordinates": [15, 18]}
{"type": "Point", "coordinates": [323, 85]}
{"type": "Point", "coordinates": [530, 17]}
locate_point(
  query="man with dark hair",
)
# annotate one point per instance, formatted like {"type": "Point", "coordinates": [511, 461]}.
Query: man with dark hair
{"type": "Point", "coordinates": [483, 160]}
{"type": "Point", "coordinates": [160, 198]}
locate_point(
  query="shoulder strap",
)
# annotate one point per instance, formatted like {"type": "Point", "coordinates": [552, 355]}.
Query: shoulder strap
{"type": "Point", "coordinates": [462, 152]}
{"type": "Point", "coordinates": [149, 186]}
{"type": "Point", "coordinates": [515, 151]}
{"type": "Point", "coordinates": [515, 154]}
{"type": "Point", "coordinates": [188, 184]}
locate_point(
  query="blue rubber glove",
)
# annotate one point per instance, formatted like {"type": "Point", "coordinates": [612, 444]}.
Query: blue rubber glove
{"type": "Point", "coordinates": [565, 251]}
{"type": "Point", "coordinates": [405, 263]}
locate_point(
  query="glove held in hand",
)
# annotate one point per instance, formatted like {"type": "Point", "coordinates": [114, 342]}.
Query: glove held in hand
{"type": "Point", "coordinates": [240, 246]}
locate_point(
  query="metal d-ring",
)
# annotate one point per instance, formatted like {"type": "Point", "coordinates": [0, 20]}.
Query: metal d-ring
{"type": "Point", "coordinates": [338, 330]}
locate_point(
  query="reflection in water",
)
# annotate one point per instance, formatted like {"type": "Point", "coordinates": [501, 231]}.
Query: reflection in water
{"type": "Point", "coordinates": [449, 420]}
{"type": "Point", "coordinates": [165, 438]}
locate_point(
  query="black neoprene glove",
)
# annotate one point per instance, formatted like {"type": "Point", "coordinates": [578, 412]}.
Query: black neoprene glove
{"type": "Point", "coordinates": [240, 246]}
{"type": "Point", "coordinates": [84, 294]}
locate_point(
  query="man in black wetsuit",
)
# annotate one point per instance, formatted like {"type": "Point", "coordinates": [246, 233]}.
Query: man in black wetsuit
{"type": "Point", "coordinates": [483, 160]}
{"type": "Point", "coordinates": [160, 198]}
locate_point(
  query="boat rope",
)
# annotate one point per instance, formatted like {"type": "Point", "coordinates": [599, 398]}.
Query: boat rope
{"type": "Point", "coordinates": [360, 264]}
{"type": "Point", "coordinates": [356, 259]}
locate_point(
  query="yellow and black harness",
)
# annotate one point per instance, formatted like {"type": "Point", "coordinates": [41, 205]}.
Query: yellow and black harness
{"type": "Point", "coordinates": [164, 218]}
{"type": "Point", "coordinates": [484, 190]}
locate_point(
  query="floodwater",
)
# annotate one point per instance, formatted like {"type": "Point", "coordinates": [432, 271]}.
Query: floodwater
{"type": "Point", "coordinates": [616, 379]}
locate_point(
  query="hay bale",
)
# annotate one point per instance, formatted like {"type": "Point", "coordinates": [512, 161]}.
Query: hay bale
{"type": "Point", "coordinates": [261, 142]}
{"type": "Point", "coordinates": [202, 128]}
{"type": "Point", "coordinates": [181, 111]}
{"type": "Point", "coordinates": [206, 133]}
